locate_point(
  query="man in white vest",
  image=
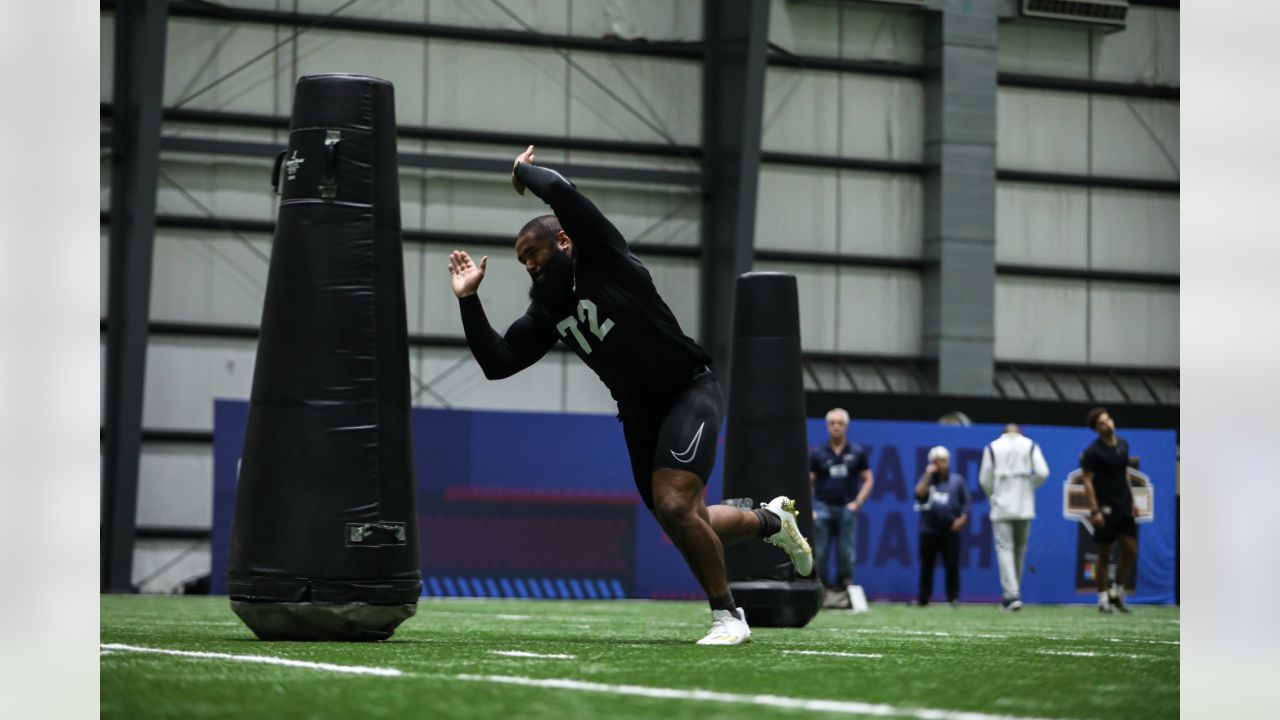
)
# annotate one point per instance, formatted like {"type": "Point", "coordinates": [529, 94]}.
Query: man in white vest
{"type": "Point", "coordinates": [1012, 468]}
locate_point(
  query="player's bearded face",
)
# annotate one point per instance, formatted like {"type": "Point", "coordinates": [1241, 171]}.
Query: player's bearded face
{"type": "Point", "coordinates": [554, 281]}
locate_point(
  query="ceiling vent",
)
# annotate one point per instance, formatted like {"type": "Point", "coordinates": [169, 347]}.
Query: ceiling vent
{"type": "Point", "coordinates": [1105, 14]}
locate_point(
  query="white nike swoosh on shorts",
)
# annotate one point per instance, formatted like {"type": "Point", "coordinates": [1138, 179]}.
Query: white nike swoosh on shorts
{"type": "Point", "coordinates": [692, 450]}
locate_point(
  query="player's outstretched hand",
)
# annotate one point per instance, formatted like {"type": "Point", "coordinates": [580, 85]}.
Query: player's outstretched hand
{"type": "Point", "coordinates": [524, 157]}
{"type": "Point", "coordinates": [466, 274]}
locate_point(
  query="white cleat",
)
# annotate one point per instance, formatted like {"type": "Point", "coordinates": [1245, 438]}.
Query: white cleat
{"type": "Point", "coordinates": [789, 537]}
{"type": "Point", "coordinates": [727, 628]}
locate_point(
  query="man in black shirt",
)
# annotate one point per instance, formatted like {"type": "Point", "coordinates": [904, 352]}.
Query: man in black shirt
{"type": "Point", "coordinates": [842, 481]}
{"type": "Point", "coordinates": [942, 499]}
{"type": "Point", "coordinates": [592, 294]}
{"type": "Point", "coordinates": [1105, 472]}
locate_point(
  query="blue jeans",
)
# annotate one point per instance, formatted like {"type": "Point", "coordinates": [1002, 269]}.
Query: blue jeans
{"type": "Point", "coordinates": [842, 523]}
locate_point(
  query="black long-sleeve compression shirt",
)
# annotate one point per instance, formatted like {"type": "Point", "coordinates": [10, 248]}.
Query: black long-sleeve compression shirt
{"type": "Point", "coordinates": [501, 356]}
{"type": "Point", "coordinates": [615, 320]}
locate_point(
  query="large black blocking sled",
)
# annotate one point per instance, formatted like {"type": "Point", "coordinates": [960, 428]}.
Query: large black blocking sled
{"type": "Point", "coordinates": [766, 448]}
{"type": "Point", "coordinates": [324, 541]}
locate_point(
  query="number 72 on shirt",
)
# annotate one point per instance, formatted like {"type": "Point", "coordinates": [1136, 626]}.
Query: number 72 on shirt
{"type": "Point", "coordinates": [586, 314]}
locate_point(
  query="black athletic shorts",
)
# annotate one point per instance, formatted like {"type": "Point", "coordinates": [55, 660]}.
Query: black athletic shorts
{"type": "Point", "coordinates": [1115, 524]}
{"type": "Point", "coordinates": [682, 435]}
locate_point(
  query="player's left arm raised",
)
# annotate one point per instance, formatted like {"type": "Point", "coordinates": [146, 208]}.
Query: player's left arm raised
{"type": "Point", "coordinates": [581, 219]}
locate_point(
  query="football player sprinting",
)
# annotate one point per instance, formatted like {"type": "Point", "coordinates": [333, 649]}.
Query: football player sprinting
{"type": "Point", "coordinates": [589, 292]}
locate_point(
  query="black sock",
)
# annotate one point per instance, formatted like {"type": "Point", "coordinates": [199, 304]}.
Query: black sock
{"type": "Point", "coordinates": [723, 602]}
{"type": "Point", "coordinates": [769, 523]}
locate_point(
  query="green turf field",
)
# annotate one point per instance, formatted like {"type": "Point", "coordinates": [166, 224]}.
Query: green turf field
{"type": "Point", "coordinates": [637, 659]}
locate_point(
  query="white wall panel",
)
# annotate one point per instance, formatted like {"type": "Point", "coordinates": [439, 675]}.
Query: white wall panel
{"type": "Point", "coordinates": [548, 16]}
{"type": "Point", "coordinates": [474, 203]}
{"type": "Point", "coordinates": [663, 216]}
{"type": "Point", "coordinates": [678, 282]}
{"type": "Point", "coordinates": [805, 28]}
{"type": "Point", "coordinates": [175, 485]}
{"type": "Point", "coordinates": [845, 211]}
{"type": "Point", "coordinates": [559, 382]}
{"type": "Point", "coordinates": [844, 30]}
{"type": "Point", "coordinates": [545, 155]}
{"type": "Point", "coordinates": [228, 187]}
{"type": "Point", "coordinates": [186, 559]}
{"type": "Point", "coordinates": [415, 283]}
{"type": "Point", "coordinates": [1028, 48]}
{"type": "Point", "coordinates": [881, 214]}
{"type": "Point", "coordinates": [495, 87]}
{"type": "Point", "coordinates": [1134, 230]}
{"type": "Point", "coordinates": [200, 53]}
{"type": "Point", "coordinates": [278, 137]}
{"type": "Point", "coordinates": [403, 10]}
{"type": "Point", "coordinates": [801, 111]}
{"type": "Point", "coordinates": [856, 310]}
{"type": "Point", "coordinates": [538, 387]}
{"type": "Point", "coordinates": [209, 277]}
{"type": "Point", "coordinates": [881, 118]}
{"type": "Point", "coordinates": [826, 113]}
{"type": "Point", "coordinates": [1134, 137]}
{"type": "Point", "coordinates": [1042, 320]}
{"type": "Point", "coordinates": [478, 203]}
{"type": "Point", "coordinates": [413, 190]}
{"type": "Point", "coordinates": [796, 209]}
{"type": "Point", "coordinates": [504, 290]}
{"type": "Point", "coordinates": [663, 98]}
{"type": "Point", "coordinates": [878, 311]}
{"type": "Point", "coordinates": [1146, 52]}
{"type": "Point", "coordinates": [184, 375]}
{"type": "Point", "coordinates": [816, 286]}
{"type": "Point", "coordinates": [1042, 225]}
{"type": "Point", "coordinates": [1042, 130]}
{"type": "Point", "coordinates": [397, 59]}
{"type": "Point", "coordinates": [867, 33]}
{"type": "Point", "coordinates": [654, 20]}
{"type": "Point", "coordinates": [682, 161]}
{"type": "Point", "coordinates": [1133, 325]}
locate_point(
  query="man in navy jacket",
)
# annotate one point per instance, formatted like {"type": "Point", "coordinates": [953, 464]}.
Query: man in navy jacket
{"type": "Point", "coordinates": [943, 503]}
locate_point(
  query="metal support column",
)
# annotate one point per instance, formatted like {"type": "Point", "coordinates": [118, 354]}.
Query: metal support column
{"type": "Point", "coordinates": [140, 29]}
{"type": "Point", "coordinates": [733, 108]}
{"type": "Point", "coordinates": [960, 190]}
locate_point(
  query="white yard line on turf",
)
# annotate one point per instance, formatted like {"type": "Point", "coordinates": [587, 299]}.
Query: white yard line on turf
{"type": "Point", "coordinates": [992, 636]}
{"type": "Point", "coordinates": [1135, 641]}
{"type": "Point", "coordinates": [843, 707]}
{"type": "Point", "coordinates": [259, 659]}
{"type": "Point", "coordinates": [523, 654]}
{"type": "Point", "coordinates": [559, 618]}
{"type": "Point", "coordinates": [1087, 653]}
{"type": "Point", "coordinates": [1149, 642]}
{"type": "Point", "coordinates": [896, 631]}
{"type": "Point", "coordinates": [832, 653]}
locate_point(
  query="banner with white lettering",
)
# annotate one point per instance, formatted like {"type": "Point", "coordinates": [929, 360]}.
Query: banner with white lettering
{"type": "Point", "coordinates": [525, 504]}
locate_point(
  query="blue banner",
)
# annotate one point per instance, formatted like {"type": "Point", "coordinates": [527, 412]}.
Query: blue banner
{"type": "Point", "coordinates": [543, 505]}
{"type": "Point", "coordinates": [888, 526]}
